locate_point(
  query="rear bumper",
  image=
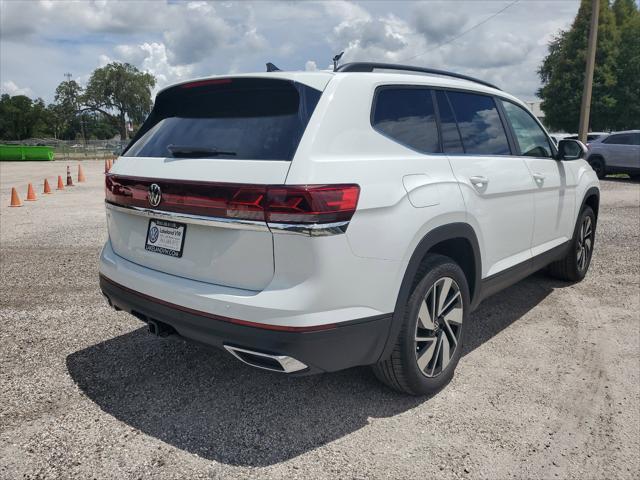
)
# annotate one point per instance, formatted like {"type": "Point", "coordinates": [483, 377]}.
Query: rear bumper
{"type": "Point", "coordinates": [325, 348]}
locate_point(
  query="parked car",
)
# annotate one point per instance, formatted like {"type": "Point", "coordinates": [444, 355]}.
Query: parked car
{"type": "Point", "coordinates": [309, 222]}
{"type": "Point", "coordinates": [618, 152]}
{"type": "Point", "coordinates": [590, 136]}
{"type": "Point", "coordinates": [556, 137]}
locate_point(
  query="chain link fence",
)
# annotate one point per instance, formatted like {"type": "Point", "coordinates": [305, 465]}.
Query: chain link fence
{"type": "Point", "coordinates": [76, 150]}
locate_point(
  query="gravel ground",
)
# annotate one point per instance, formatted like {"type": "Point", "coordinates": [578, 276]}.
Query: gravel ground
{"type": "Point", "coordinates": [548, 386]}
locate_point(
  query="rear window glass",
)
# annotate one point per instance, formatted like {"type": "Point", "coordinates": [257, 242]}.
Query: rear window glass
{"type": "Point", "coordinates": [479, 124]}
{"type": "Point", "coordinates": [406, 115]}
{"type": "Point", "coordinates": [244, 119]}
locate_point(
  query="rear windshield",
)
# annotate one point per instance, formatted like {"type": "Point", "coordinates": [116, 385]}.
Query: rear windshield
{"type": "Point", "coordinates": [234, 118]}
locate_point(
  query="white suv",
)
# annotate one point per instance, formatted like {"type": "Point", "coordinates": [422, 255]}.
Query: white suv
{"type": "Point", "coordinates": [313, 221]}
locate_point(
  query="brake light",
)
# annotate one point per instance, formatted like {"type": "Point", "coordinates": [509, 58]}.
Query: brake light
{"type": "Point", "coordinates": [311, 204]}
{"type": "Point", "coordinates": [203, 83]}
{"type": "Point", "coordinates": [290, 204]}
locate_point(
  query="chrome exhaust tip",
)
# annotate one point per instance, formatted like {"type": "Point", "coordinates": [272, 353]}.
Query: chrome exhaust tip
{"type": "Point", "coordinates": [265, 361]}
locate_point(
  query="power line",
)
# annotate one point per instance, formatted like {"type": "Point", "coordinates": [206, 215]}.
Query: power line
{"type": "Point", "coordinates": [453, 39]}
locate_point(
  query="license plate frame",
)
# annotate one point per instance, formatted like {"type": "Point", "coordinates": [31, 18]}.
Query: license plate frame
{"type": "Point", "coordinates": [165, 238]}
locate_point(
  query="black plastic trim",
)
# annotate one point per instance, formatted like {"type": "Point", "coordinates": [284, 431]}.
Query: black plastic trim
{"type": "Point", "coordinates": [440, 234]}
{"type": "Point", "coordinates": [509, 276]}
{"type": "Point", "coordinates": [371, 66]}
{"type": "Point", "coordinates": [593, 191]}
{"type": "Point", "coordinates": [344, 345]}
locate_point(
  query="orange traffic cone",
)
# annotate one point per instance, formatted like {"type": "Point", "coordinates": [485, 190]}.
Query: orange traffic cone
{"type": "Point", "coordinates": [69, 179]}
{"type": "Point", "coordinates": [81, 177]}
{"type": "Point", "coordinates": [60, 184]}
{"type": "Point", "coordinates": [15, 199]}
{"type": "Point", "coordinates": [106, 168]}
{"type": "Point", "coordinates": [31, 195]}
{"type": "Point", "coordinates": [47, 188]}
{"type": "Point", "coordinates": [109, 165]}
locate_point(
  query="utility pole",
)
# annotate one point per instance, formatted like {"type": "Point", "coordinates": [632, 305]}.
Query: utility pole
{"type": "Point", "coordinates": [585, 108]}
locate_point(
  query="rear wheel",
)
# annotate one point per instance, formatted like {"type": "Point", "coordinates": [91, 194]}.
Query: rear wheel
{"type": "Point", "coordinates": [429, 344]}
{"type": "Point", "coordinates": [597, 163]}
{"type": "Point", "coordinates": [574, 266]}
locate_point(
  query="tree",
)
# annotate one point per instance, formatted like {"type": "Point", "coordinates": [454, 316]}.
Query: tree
{"type": "Point", "coordinates": [21, 117]}
{"type": "Point", "coordinates": [120, 92]}
{"type": "Point", "coordinates": [562, 72]}
{"type": "Point", "coordinates": [67, 106]}
{"type": "Point", "coordinates": [627, 90]}
{"type": "Point", "coordinates": [624, 10]}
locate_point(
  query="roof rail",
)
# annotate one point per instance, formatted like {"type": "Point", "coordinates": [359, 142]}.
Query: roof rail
{"type": "Point", "coordinates": [370, 67]}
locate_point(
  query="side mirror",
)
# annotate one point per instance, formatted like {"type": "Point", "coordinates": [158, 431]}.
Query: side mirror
{"type": "Point", "coordinates": [571, 150]}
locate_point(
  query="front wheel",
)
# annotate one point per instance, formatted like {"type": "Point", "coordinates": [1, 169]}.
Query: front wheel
{"type": "Point", "coordinates": [429, 344]}
{"type": "Point", "coordinates": [574, 266]}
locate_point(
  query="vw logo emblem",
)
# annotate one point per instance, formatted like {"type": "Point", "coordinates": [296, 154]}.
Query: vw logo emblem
{"type": "Point", "coordinates": [154, 234]}
{"type": "Point", "coordinates": [155, 195]}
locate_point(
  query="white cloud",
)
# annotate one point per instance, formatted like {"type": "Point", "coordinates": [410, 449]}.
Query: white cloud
{"type": "Point", "coordinates": [12, 89]}
{"type": "Point", "coordinates": [437, 24]}
{"type": "Point", "coordinates": [154, 59]}
{"type": "Point", "coordinates": [310, 66]}
{"type": "Point", "coordinates": [196, 35]}
{"type": "Point", "coordinates": [177, 40]}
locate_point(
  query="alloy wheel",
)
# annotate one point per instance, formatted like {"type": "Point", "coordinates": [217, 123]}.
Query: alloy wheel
{"type": "Point", "coordinates": [439, 327]}
{"type": "Point", "coordinates": [585, 243]}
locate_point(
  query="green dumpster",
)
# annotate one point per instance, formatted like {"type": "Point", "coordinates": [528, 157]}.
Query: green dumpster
{"type": "Point", "coordinates": [23, 152]}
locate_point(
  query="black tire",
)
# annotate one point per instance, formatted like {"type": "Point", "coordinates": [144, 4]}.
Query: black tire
{"type": "Point", "coordinates": [598, 165]}
{"type": "Point", "coordinates": [573, 267]}
{"type": "Point", "coordinates": [401, 371]}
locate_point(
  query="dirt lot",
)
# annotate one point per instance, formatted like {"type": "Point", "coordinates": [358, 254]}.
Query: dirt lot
{"type": "Point", "coordinates": [548, 386]}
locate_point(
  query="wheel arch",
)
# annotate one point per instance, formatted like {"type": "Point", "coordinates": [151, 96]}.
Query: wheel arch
{"type": "Point", "coordinates": [592, 199]}
{"type": "Point", "coordinates": [455, 240]}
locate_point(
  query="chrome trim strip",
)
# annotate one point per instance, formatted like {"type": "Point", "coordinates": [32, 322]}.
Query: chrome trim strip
{"type": "Point", "coordinates": [310, 230]}
{"type": "Point", "coordinates": [288, 364]}
{"type": "Point", "coordinates": [235, 223]}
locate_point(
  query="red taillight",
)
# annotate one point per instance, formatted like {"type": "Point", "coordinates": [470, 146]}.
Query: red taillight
{"type": "Point", "coordinates": [311, 204]}
{"type": "Point", "coordinates": [291, 204]}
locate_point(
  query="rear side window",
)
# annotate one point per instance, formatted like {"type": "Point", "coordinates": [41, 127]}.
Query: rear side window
{"type": "Point", "coordinates": [406, 115]}
{"type": "Point", "coordinates": [233, 118]}
{"type": "Point", "coordinates": [530, 137]}
{"type": "Point", "coordinates": [479, 123]}
{"type": "Point", "coordinates": [621, 139]}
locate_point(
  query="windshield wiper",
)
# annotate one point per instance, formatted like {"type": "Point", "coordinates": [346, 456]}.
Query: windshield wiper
{"type": "Point", "coordinates": [191, 151]}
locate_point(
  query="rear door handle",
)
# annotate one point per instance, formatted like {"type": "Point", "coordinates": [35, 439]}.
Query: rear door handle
{"type": "Point", "coordinates": [539, 178]}
{"type": "Point", "coordinates": [479, 181]}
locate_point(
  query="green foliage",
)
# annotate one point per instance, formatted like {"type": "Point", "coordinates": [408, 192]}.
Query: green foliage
{"type": "Point", "coordinates": [120, 91]}
{"type": "Point", "coordinates": [615, 95]}
{"type": "Point", "coordinates": [21, 117]}
{"type": "Point", "coordinates": [627, 91]}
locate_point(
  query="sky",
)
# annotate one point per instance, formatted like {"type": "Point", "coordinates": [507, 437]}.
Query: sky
{"type": "Point", "coordinates": [40, 41]}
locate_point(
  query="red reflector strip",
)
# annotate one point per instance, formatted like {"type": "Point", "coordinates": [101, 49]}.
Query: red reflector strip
{"type": "Point", "coordinates": [290, 204]}
{"type": "Point", "coordinates": [203, 83]}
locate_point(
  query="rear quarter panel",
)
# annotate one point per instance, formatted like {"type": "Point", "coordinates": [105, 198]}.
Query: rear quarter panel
{"type": "Point", "coordinates": [341, 146]}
